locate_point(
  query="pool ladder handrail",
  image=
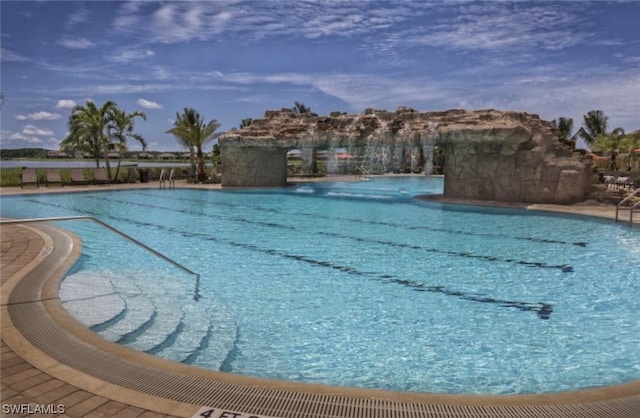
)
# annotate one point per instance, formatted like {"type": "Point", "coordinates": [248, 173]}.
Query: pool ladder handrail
{"type": "Point", "coordinates": [362, 172]}
{"type": "Point", "coordinates": [635, 207]}
{"type": "Point", "coordinates": [122, 234]}
{"type": "Point", "coordinates": [163, 180]}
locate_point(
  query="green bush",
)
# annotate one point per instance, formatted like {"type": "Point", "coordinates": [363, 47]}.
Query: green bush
{"type": "Point", "coordinates": [10, 177]}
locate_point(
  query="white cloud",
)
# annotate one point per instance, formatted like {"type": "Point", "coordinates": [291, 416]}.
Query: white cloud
{"type": "Point", "coordinates": [357, 90]}
{"type": "Point", "coordinates": [20, 137]}
{"type": "Point", "coordinates": [10, 56]}
{"type": "Point", "coordinates": [129, 55]}
{"type": "Point", "coordinates": [147, 104]}
{"type": "Point", "coordinates": [458, 25]}
{"type": "Point", "coordinates": [65, 104]}
{"type": "Point", "coordinates": [30, 135]}
{"type": "Point", "coordinates": [491, 26]}
{"type": "Point", "coordinates": [174, 22]}
{"type": "Point", "coordinates": [39, 116]}
{"type": "Point", "coordinates": [76, 43]}
{"type": "Point", "coordinates": [32, 130]}
{"type": "Point", "coordinates": [79, 16]}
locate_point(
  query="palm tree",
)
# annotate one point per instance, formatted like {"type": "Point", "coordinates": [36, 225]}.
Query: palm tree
{"type": "Point", "coordinates": [88, 126]}
{"type": "Point", "coordinates": [609, 143]}
{"type": "Point", "coordinates": [595, 123]}
{"type": "Point", "coordinates": [630, 144]}
{"type": "Point", "coordinates": [300, 109]}
{"type": "Point", "coordinates": [120, 128]}
{"type": "Point", "coordinates": [191, 131]}
{"type": "Point", "coordinates": [564, 127]}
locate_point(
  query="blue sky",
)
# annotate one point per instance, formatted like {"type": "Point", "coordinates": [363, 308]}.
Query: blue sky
{"type": "Point", "coordinates": [232, 60]}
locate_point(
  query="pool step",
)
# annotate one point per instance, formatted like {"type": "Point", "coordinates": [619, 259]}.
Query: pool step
{"type": "Point", "coordinates": [113, 308]}
{"type": "Point", "coordinates": [216, 343]}
{"type": "Point", "coordinates": [81, 293]}
{"type": "Point", "coordinates": [139, 311]}
{"type": "Point", "coordinates": [202, 333]}
{"type": "Point", "coordinates": [166, 320]}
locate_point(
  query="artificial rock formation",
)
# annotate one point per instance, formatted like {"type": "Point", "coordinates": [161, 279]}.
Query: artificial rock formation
{"type": "Point", "coordinates": [489, 154]}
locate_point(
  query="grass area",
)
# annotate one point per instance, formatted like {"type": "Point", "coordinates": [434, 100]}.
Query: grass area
{"type": "Point", "coordinates": [11, 177]}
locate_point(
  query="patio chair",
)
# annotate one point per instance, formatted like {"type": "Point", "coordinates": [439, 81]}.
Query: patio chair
{"type": "Point", "coordinates": [29, 177]}
{"type": "Point", "coordinates": [630, 180]}
{"type": "Point", "coordinates": [78, 177]}
{"type": "Point", "coordinates": [53, 177]}
{"type": "Point", "coordinates": [100, 176]}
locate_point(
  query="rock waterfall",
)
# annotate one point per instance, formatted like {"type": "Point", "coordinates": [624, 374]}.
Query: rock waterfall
{"type": "Point", "coordinates": [489, 154]}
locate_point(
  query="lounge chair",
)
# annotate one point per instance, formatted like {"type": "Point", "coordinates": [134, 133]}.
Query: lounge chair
{"type": "Point", "coordinates": [100, 176]}
{"type": "Point", "coordinates": [29, 177]}
{"type": "Point", "coordinates": [53, 177]}
{"type": "Point", "coordinates": [78, 177]}
{"type": "Point", "coordinates": [628, 180]}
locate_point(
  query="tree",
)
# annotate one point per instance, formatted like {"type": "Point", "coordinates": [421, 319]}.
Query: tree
{"type": "Point", "coordinates": [192, 132]}
{"type": "Point", "coordinates": [564, 127]}
{"type": "Point", "coordinates": [609, 143]}
{"type": "Point", "coordinates": [216, 154]}
{"type": "Point", "coordinates": [245, 122]}
{"type": "Point", "coordinates": [595, 123]}
{"type": "Point", "coordinates": [88, 130]}
{"type": "Point", "coordinates": [300, 109]}
{"type": "Point", "coordinates": [120, 128]}
{"type": "Point", "coordinates": [630, 143]}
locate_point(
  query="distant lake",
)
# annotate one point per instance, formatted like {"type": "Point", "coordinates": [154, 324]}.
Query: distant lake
{"type": "Point", "coordinates": [83, 163]}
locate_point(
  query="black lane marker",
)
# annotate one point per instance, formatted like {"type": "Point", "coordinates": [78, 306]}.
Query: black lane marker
{"type": "Point", "coordinates": [360, 221]}
{"type": "Point", "coordinates": [565, 268]}
{"type": "Point", "coordinates": [543, 310]}
{"type": "Point", "coordinates": [422, 227]}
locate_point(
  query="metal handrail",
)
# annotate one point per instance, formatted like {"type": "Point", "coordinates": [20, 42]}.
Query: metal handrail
{"type": "Point", "coordinates": [122, 234]}
{"type": "Point", "coordinates": [163, 181]}
{"type": "Point", "coordinates": [623, 201]}
{"type": "Point", "coordinates": [634, 207]}
{"type": "Point", "coordinates": [363, 171]}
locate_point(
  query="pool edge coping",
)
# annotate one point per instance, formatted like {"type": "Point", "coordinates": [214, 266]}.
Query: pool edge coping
{"type": "Point", "coordinates": [162, 405]}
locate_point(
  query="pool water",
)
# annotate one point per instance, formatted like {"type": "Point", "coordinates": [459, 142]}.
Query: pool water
{"type": "Point", "coordinates": [358, 284]}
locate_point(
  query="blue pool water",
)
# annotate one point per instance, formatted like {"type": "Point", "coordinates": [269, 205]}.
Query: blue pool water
{"type": "Point", "coordinates": [358, 284]}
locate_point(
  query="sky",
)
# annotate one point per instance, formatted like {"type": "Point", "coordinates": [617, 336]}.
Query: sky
{"type": "Point", "coordinates": [232, 60]}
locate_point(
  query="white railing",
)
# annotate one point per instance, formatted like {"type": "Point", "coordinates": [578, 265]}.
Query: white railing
{"type": "Point", "coordinates": [635, 207]}
{"type": "Point", "coordinates": [122, 234]}
{"type": "Point", "coordinates": [164, 179]}
{"type": "Point", "coordinates": [362, 172]}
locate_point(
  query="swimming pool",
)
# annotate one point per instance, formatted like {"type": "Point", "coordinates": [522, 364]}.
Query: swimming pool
{"type": "Point", "coordinates": [358, 284]}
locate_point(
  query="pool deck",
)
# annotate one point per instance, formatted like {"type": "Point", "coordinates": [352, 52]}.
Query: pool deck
{"type": "Point", "coordinates": [51, 365]}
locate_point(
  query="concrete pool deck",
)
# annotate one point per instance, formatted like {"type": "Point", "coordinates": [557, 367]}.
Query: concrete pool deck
{"type": "Point", "coordinates": [51, 363]}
